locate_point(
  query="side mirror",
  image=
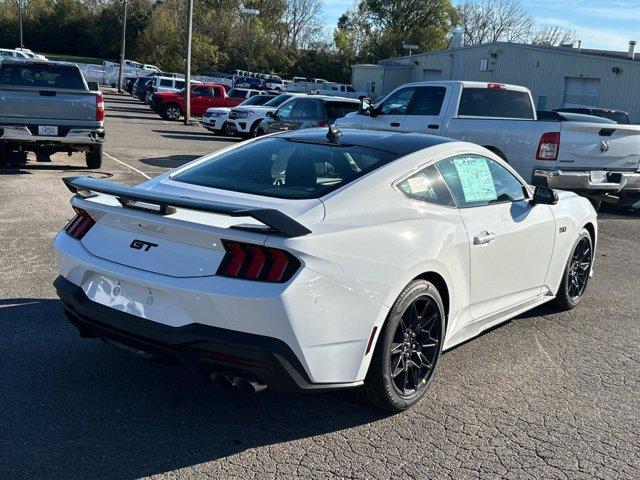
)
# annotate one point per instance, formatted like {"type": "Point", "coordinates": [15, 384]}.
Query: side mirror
{"type": "Point", "coordinates": [544, 196]}
{"type": "Point", "coordinates": [365, 106]}
{"type": "Point", "coordinates": [93, 86]}
{"type": "Point", "coordinates": [271, 114]}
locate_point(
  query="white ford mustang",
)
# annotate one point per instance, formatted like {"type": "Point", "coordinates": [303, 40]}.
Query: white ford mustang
{"type": "Point", "coordinates": [311, 261]}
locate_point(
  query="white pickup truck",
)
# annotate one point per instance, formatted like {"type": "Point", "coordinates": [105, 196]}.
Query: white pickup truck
{"type": "Point", "coordinates": [598, 160]}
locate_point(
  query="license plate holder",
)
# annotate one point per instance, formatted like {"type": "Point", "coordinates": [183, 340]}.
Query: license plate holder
{"type": "Point", "coordinates": [47, 131]}
{"type": "Point", "coordinates": [598, 176]}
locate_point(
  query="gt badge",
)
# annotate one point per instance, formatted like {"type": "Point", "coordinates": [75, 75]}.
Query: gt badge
{"type": "Point", "coordinates": [142, 245]}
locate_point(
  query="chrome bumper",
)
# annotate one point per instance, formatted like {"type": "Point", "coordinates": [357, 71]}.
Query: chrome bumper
{"type": "Point", "coordinates": [582, 180]}
{"type": "Point", "coordinates": [75, 136]}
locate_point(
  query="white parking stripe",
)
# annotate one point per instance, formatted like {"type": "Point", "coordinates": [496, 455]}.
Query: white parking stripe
{"type": "Point", "coordinates": [127, 165]}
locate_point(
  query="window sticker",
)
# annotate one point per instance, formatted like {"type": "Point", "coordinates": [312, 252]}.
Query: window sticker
{"type": "Point", "coordinates": [476, 179]}
{"type": "Point", "coordinates": [418, 184]}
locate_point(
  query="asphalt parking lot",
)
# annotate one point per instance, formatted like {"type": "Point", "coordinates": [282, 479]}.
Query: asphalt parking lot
{"type": "Point", "coordinates": [547, 395]}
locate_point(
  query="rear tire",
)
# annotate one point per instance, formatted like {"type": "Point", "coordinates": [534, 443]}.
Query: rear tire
{"type": "Point", "coordinates": [93, 157]}
{"type": "Point", "coordinates": [171, 112]}
{"type": "Point", "coordinates": [407, 350]}
{"type": "Point", "coordinates": [576, 273]}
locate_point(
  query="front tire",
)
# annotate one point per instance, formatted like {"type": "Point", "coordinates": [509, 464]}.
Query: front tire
{"type": "Point", "coordinates": [576, 273]}
{"type": "Point", "coordinates": [408, 349]}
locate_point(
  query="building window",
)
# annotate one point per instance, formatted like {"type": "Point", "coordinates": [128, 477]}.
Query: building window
{"type": "Point", "coordinates": [484, 64]}
{"type": "Point", "coordinates": [542, 102]}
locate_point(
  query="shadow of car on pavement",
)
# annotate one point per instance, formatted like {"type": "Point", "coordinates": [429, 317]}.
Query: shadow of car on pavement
{"type": "Point", "coordinates": [76, 408]}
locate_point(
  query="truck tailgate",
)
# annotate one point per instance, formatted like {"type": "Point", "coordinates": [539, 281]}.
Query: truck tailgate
{"type": "Point", "coordinates": [70, 107]}
{"type": "Point", "coordinates": [599, 146]}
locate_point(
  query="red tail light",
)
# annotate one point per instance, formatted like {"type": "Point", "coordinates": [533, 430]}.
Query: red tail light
{"type": "Point", "coordinates": [80, 224]}
{"type": "Point", "coordinates": [548, 146]}
{"type": "Point", "coordinates": [249, 261]}
{"type": "Point", "coordinates": [322, 123]}
{"type": "Point", "coordinates": [99, 108]}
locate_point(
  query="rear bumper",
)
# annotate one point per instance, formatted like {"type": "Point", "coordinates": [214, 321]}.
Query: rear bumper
{"type": "Point", "coordinates": [203, 349]}
{"type": "Point", "coordinates": [577, 180]}
{"type": "Point", "coordinates": [325, 324]}
{"type": "Point", "coordinates": [66, 135]}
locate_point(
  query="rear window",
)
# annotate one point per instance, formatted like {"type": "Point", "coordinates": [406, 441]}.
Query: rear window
{"type": "Point", "coordinates": [284, 168]}
{"type": "Point", "coordinates": [495, 102]}
{"type": "Point", "coordinates": [237, 93]}
{"type": "Point", "coordinates": [340, 109]}
{"type": "Point", "coordinates": [42, 76]}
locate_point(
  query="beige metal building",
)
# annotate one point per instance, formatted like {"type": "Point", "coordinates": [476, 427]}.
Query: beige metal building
{"type": "Point", "coordinates": [557, 76]}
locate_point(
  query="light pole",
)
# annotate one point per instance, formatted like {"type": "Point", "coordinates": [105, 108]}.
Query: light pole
{"type": "Point", "coordinates": [252, 12]}
{"type": "Point", "coordinates": [122, 46]}
{"type": "Point", "coordinates": [187, 76]}
{"type": "Point", "coordinates": [20, 15]}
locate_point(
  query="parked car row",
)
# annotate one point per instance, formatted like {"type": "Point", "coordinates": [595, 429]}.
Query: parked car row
{"type": "Point", "coordinates": [20, 54]}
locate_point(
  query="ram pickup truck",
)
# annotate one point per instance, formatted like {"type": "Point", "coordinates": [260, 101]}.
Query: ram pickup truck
{"type": "Point", "coordinates": [598, 160]}
{"type": "Point", "coordinates": [47, 107]}
{"type": "Point", "coordinates": [170, 106]}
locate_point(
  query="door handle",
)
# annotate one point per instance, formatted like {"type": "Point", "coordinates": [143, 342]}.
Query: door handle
{"type": "Point", "coordinates": [433, 126]}
{"type": "Point", "coordinates": [483, 238]}
{"type": "Point", "coordinates": [395, 124]}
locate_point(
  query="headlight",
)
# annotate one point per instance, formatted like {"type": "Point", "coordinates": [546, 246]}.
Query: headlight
{"type": "Point", "coordinates": [213, 114]}
{"type": "Point", "coordinates": [243, 114]}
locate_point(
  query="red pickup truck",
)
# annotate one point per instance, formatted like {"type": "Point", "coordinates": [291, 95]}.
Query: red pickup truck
{"type": "Point", "coordinates": [170, 105]}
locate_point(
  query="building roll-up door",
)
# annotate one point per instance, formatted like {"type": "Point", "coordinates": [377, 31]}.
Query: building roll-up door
{"type": "Point", "coordinates": [581, 92]}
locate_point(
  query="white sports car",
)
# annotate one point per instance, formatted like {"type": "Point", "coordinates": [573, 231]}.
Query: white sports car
{"type": "Point", "coordinates": [311, 260]}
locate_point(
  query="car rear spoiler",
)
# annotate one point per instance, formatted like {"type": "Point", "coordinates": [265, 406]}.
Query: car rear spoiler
{"type": "Point", "coordinates": [131, 197]}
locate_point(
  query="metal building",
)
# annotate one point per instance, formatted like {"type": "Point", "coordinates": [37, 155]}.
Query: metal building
{"type": "Point", "coordinates": [557, 76]}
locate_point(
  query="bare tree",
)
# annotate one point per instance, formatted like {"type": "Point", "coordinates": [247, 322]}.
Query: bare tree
{"type": "Point", "coordinates": [551, 35]}
{"type": "Point", "coordinates": [303, 22]}
{"type": "Point", "coordinates": [487, 21]}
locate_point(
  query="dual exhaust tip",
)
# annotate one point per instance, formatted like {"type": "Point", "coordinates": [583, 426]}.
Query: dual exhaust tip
{"type": "Point", "coordinates": [249, 385]}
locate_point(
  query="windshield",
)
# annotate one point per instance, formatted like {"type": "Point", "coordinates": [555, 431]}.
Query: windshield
{"type": "Point", "coordinates": [284, 168]}
{"type": "Point", "coordinates": [256, 100]}
{"type": "Point", "coordinates": [277, 101]}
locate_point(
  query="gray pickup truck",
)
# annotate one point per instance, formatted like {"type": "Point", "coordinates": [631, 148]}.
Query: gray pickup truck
{"type": "Point", "coordinates": [48, 107]}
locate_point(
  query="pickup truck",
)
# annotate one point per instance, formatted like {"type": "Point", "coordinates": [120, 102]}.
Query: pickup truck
{"type": "Point", "coordinates": [598, 160]}
{"type": "Point", "coordinates": [47, 107]}
{"type": "Point", "coordinates": [339, 90]}
{"type": "Point", "coordinates": [170, 106]}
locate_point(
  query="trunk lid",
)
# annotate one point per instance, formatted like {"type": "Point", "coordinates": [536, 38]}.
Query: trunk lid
{"type": "Point", "coordinates": [186, 243]}
{"type": "Point", "coordinates": [591, 146]}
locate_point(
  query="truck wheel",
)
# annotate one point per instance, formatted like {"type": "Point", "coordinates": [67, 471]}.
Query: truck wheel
{"type": "Point", "coordinates": [93, 157]}
{"type": "Point", "coordinates": [253, 131]}
{"type": "Point", "coordinates": [171, 112]}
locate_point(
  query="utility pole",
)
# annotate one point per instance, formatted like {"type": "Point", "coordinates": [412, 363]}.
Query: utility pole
{"type": "Point", "coordinates": [20, 15]}
{"type": "Point", "coordinates": [187, 76]}
{"type": "Point", "coordinates": [122, 46]}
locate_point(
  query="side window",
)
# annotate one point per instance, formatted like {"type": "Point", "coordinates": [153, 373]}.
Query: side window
{"type": "Point", "coordinates": [199, 91]}
{"type": "Point", "coordinates": [166, 83]}
{"type": "Point", "coordinates": [428, 186]}
{"type": "Point", "coordinates": [311, 110]}
{"type": "Point", "coordinates": [476, 181]}
{"type": "Point", "coordinates": [428, 101]}
{"type": "Point", "coordinates": [179, 85]}
{"type": "Point", "coordinates": [398, 102]}
{"type": "Point", "coordinates": [299, 109]}
{"type": "Point", "coordinates": [285, 110]}
{"type": "Point", "coordinates": [217, 93]}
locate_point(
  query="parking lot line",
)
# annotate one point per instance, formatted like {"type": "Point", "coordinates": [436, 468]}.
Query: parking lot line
{"type": "Point", "coordinates": [127, 165]}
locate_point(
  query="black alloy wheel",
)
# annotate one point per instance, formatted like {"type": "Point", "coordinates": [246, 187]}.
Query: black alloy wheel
{"type": "Point", "coordinates": [576, 274]}
{"type": "Point", "coordinates": [407, 349]}
{"type": "Point", "coordinates": [416, 345]}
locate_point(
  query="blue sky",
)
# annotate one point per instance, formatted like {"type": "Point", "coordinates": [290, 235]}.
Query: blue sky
{"type": "Point", "coordinates": [608, 24]}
